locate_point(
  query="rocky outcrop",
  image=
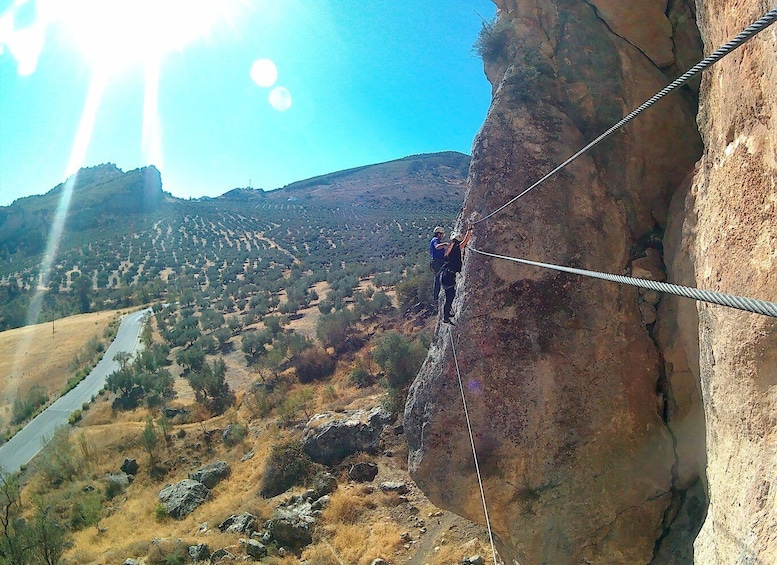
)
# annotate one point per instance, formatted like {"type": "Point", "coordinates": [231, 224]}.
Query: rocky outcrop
{"type": "Point", "coordinates": [729, 232]}
{"type": "Point", "coordinates": [591, 403]}
{"type": "Point", "coordinates": [212, 474]}
{"type": "Point", "coordinates": [330, 437]}
{"type": "Point", "coordinates": [183, 497]}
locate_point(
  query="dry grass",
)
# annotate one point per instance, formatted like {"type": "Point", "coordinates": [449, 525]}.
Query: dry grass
{"type": "Point", "coordinates": [347, 506]}
{"type": "Point", "coordinates": [359, 544]}
{"type": "Point", "coordinates": [33, 355]}
{"type": "Point", "coordinates": [360, 524]}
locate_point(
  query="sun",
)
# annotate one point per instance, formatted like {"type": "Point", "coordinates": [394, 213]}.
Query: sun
{"type": "Point", "coordinates": [116, 34]}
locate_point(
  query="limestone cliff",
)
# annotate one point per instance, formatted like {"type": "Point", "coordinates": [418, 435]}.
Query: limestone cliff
{"type": "Point", "coordinates": [591, 403]}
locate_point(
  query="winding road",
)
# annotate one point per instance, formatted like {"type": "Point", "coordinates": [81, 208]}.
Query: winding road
{"type": "Point", "coordinates": [26, 444]}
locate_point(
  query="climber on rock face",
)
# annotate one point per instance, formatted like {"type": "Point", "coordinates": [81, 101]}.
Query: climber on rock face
{"type": "Point", "coordinates": [452, 266]}
{"type": "Point", "coordinates": [437, 259]}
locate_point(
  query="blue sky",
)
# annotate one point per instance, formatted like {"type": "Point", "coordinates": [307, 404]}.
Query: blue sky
{"type": "Point", "coordinates": [356, 83]}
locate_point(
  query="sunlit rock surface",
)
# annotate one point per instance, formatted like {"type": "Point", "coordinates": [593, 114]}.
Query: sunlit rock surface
{"type": "Point", "coordinates": [604, 416]}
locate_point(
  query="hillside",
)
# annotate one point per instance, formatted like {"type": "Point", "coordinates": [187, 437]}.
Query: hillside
{"type": "Point", "coordinates": [114, 254]}
{"type": "Point", "coordinates": [272, 312]}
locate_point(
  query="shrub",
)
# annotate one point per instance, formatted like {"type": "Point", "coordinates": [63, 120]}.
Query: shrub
{"type": "Point", "coordinates": [360, 377]}
{"type": "Point", "coordinates": [24, 408]}
{"type": "Point", "coordinates": [286, 466]}
{"type": "Point", "coordinates": [300, 400]}
{"type": "Point", "coordinates": [234, 434]}
{"type": "Point", "coordinates": [314, 364]}
{"type": "Point", "coordinates": [416, 288]}
{"type": "Point", "coordinates": [160, 513]}
{"type": "Point", "coordinates": [492, 40]}
{"type": "Point", "coordinates": [168, 552]}
{"type": "Point", "coordinates": [333, 329]}
{"type": "Point", "coordinates": [86, 511]}
{"type": "Point", "coordinates": [399, 358]}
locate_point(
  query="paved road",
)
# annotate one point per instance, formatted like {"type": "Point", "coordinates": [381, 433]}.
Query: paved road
{"type": "Point", "coordinates": [26, 444]}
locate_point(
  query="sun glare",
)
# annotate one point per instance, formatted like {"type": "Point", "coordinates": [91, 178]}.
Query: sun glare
{"type": "Point", "coordinates": [114, 34]}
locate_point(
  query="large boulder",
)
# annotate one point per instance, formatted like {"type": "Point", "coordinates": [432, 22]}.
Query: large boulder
{"type": "Point", "coordinates": [183, 497]}
{"type": "Point", "coordinates": [254, 549]}
{"type": "Point", "coordinates": [130, 466]}
{"type": "Point", "coordinates": [363, 472]}
{"type": "Point", "coordinates": [330, 437]}
{"type": "Point", "coordinates": [199, 552]}
{"type": "Point", "coordinates": [565, 384]}
{"type": "Point", "coordinates": [211, 474]}
{"type": "Point", "coordinates": [292, 527]}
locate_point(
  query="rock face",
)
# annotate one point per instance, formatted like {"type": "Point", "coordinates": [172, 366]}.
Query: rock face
{"type": "Point", "coordinates": [729, 227]}
{"type": "Point", "coordinates": [589, 400]}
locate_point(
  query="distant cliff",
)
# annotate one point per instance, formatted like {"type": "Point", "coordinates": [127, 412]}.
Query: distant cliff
{"type": "Point", "coordinates": [98, 193]}
{"type": "Point", "coordinates": [614, 425]}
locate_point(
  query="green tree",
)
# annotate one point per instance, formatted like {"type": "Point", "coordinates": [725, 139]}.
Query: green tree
{"type": "Point", "coordinates": [149, 440]}
{"type": "Point", "coordinates": [399, 358]}
{"type": "Point", "coordinates": [82, 290]}
{"type": "Point", "coordinates": [210, 386]}
{"type": "Point", "coordinates": [332, 330]}
{"type": "Point", "coordinates": [16, 541]}
{"type": "Point", "coordinates": [50, 536]}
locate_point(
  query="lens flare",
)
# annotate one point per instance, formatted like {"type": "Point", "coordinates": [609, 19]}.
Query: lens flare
{"type": "Point", "coordinates": [280, 98]}
{"type": "Point", "coordinates": [264, 73]}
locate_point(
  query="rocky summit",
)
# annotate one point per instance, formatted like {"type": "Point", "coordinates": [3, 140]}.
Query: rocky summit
{"type": "Point", "coordinates": [614, 425]}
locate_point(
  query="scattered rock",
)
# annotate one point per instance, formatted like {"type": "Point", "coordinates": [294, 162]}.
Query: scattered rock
{"type": "Point", "coordinates": [247, 456]}
{"type": "Point", "coordinates": [399, 488]}
{"type": "Point", "coordinates": [183, 497]}
{"type": "Point", "coordinates": [220, 555]}
{"type": "Point", "coordinates": [254, 548]}
{"type": "Point", "coordinates": [474, 560]}
{"type": "Point", "coordinates": [120, 479]}
{"type": "Point", "coordinates": [321, 503]}
{"type": "Point", "coordinates": [130, 466]}
{"type": "Point", "coordinates": [292, 526]}
{"type": "Point", "coordinates": [648, 267]}
{"type": "Point", "coordinates": [212, 474]}
{"type": "Point", "coordinates": [328, 438]}
{"type": "Point", "coordinates": [648, 312]}
{"type": "Point", "coordinates": [323, 484]}
{"type": "Point", "coordinates": [245, 523]}
{"type": "Point", "coordinates": [130, 562]}
{"type": "Point", "coordinates": [199, 552]}
{"type": "Point", "coordinates": [363, 472]}
{"type": "Point", "coordinates": [379, 561]}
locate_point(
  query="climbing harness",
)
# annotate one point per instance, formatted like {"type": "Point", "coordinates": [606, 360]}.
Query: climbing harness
{"type": "Point", "coordinates": [472, 443]}
{"type": "Point", "coordinates": [749, 32]}
{"type": "Point", "coordinates": [723, 299]}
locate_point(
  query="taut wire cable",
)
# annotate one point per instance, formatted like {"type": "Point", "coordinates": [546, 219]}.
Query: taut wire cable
{"type": "Point", "coordinates": [472, 443]}
{"type": "Point", "coordinates": [732, 301]}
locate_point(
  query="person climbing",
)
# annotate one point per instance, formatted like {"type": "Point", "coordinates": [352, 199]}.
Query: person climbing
{"type": "Point", "coordinates": [437, 259]}
{"type": "Point", "coordinates": [452, 266]}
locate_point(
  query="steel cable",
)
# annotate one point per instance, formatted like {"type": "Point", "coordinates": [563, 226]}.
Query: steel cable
{"type": "Point", "coordinates": [472, 443]}
{"type": "Point", "coordinates": [732, 301]}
